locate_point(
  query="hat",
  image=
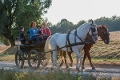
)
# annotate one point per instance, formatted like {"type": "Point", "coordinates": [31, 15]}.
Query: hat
{"type": "Point", "coordinates": [21, 27]}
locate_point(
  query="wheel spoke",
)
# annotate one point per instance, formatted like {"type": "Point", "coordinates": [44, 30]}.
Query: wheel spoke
{"type": "Point", "coordinates": [19, 59]}
{"type": "Point", "coordinates": [34, 59]}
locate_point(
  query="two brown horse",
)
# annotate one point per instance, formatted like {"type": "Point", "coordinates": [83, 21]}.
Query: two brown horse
{"type": "Point", "coordinates": [104, 35]}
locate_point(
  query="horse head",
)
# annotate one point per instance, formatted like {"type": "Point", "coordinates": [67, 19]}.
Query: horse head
{"type": "Point", "coordinates": [93, 33]}
{"type": "Point", "coordinates": [104, 33]}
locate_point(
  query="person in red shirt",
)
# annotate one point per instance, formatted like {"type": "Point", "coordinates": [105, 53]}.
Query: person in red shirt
{"type": "Point", "coordinates": [45, 30]}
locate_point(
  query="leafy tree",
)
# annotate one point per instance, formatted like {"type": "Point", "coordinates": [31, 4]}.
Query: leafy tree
{"type": "Point", "coordinates": [14, 13]}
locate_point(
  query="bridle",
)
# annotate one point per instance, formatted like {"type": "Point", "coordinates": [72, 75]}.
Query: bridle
{"type": "Point", "coordinates": [105, 34]}
{"type": "Point", "coordinates": [92, 28]}
{"type": "Point", "coordinates": [90, 40]}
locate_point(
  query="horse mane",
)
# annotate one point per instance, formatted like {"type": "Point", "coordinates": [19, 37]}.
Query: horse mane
{"type": "Point", "coordinates": [72, 31]}
{"type": "Point", "coordinates": [102, 26]}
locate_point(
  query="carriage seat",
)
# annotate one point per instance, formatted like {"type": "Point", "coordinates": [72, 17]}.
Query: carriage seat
{"type": "Point", "coordinates": [41, 37]}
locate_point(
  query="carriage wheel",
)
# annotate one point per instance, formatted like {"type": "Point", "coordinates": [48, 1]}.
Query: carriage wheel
{"type": "Point", "coordinates": [43, 59]}
{"type": "Point", "coordinates": [19, 59]}
{"type": "Point", "coordinates": [34, 59]}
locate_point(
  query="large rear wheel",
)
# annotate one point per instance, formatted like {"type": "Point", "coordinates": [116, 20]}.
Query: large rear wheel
{"type": "Point", "coordinates": [34, 59]}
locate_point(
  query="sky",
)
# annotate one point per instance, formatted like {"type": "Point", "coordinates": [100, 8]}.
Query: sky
{"type": "Point", "coordinates": [76, 10]}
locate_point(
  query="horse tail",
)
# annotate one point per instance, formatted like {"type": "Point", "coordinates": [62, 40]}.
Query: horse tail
{"type": "Point", "coordinates": [48, 48]}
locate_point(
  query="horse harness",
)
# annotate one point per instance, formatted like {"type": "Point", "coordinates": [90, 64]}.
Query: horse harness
{"type": "Point", "coordinates": [88, 39]}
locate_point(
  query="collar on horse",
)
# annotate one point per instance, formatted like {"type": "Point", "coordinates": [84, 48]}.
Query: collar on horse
{"type": "Point", "coordinates": [69, 45]}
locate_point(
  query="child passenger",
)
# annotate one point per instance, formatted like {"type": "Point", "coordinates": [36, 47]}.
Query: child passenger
{"type": "Point", "coordinates": [22, 35]}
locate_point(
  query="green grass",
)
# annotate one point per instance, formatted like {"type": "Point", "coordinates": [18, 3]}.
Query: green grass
{"type": "Point", "coordinates": [6, 57]}
{"type": "Point", "coordinates": [58, 75]}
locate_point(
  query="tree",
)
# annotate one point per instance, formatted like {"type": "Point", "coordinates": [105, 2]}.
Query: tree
{"type": "Point", "coordinates": [13, 13]}
{"type": "Point", "coordinates": [8, 10]}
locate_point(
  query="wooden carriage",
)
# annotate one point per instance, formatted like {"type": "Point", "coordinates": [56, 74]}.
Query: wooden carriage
{"type": "Point", "coordinates": [31, 52]}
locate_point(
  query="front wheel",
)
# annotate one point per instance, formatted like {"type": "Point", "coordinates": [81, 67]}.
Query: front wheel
{"type": "Point", "coordinates": [34, 59]}
{"type": "Point", "coordinates": [19, 59]}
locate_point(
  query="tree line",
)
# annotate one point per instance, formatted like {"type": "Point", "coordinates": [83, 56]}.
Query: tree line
{"type": "Point", "coordinates": [113, 24]}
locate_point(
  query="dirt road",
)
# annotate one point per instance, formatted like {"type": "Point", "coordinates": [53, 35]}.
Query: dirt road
{"type": "Point", "coordinates": [101, 70]}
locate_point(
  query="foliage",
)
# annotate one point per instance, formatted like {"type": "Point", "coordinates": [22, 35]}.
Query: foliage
{"type": "Point", "coordinates": [14, 13]}
{"type": "Point", "coordinates": [4, 41]}
{"type": "Point", "coordinates": [113, 24]}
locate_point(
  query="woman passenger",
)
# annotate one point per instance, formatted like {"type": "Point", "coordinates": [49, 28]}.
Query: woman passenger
{"type": "Point", "coordinates": [45, 30]}
{"type": "Point", "coordinates": [34, 33]}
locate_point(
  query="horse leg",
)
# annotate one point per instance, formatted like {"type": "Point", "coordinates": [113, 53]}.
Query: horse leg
{"type": "Point", "coordinates": [83, 61]}
{"type": "Point", "coordinates": [71, 60]}
{"type": "Point", "coordinates": [54, 58]}
{"type": "Point", "coordinates": [64, 54]}
{"type": "Point", "coordinates": [88, 55]}
{"type": "Point", "coordinates": [77, 59]}
{"type": "Point", "coordinates": [62, 57]}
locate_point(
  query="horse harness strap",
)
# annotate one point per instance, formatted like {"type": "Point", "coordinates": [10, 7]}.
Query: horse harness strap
{"type": "Point", "coordinates": [68, 41]}
{"type": "Point", "coordinates": [78, 37]}
{"type": "Point", "coordinates": [73, 44]}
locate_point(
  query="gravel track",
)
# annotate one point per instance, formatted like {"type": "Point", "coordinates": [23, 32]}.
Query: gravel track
{"type": "Point", "coordinates": [103, 70]}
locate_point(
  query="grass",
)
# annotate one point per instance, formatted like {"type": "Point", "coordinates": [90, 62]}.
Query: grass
{"type": "Point", "coordinates": [7, 57]}
{"type": "Point", "coordinates": [106, 51]}
{"type": "Point", "coordinates": [58, 75]}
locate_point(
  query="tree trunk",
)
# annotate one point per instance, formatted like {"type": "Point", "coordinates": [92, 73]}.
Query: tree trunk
{"type": "Point", "coordinates": [12, 41]}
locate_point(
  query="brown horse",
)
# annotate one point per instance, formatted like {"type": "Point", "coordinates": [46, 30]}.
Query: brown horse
{"type": "Point", "coordinates": [104, 35]}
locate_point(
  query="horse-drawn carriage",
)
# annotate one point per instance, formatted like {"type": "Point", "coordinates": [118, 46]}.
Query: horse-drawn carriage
{"type": "Point", "coordinates": [34, 53]}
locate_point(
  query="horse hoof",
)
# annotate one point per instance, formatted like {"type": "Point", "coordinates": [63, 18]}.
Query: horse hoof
{"type": "Point", "coordinates": [83, 68]}
{"type": "Point", "coordinates": [67, 67]}
{"type": "Point", "coordinates": [51, 68]}
{"type": "Point", "coordinates": [61, 63]}
{"type": "Point", "coordinates": [93, 68]}
{"type": "Point", "coordinates": [77, 69]}
{"type": "Point", "coordinates": [71, 65]}
{"type": "Point", "coordinates": [46, 68]}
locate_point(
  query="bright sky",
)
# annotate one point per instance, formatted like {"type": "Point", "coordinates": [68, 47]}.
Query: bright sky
{"type": "Point", "coordinates": [76, 10]}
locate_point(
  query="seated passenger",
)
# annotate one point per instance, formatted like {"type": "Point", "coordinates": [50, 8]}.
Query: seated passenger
{"type": "Point", "coordinates": [34, 32]}
{"type": "Point", "coordinates": [39, 29]}
{"type": "Point", "coordinates": [22, 35]}
{"type": "Point", "coordinates": [45, 30]}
